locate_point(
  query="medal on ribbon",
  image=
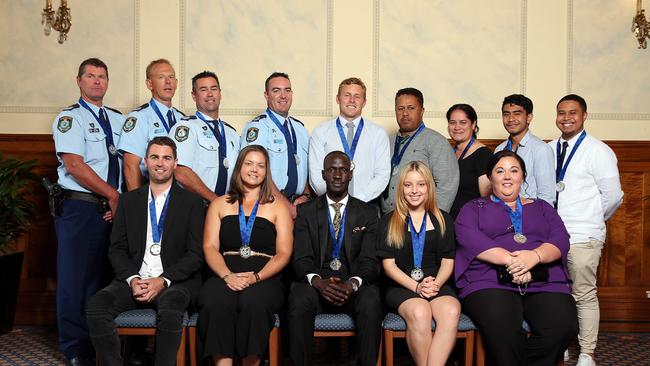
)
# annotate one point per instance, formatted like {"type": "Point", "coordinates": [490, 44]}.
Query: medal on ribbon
{"type": "Point", "coordinates": [417, 242]}
{"type": "Point", "coordinates": [157, 225]}
{"type": "Point", "coordinates": [337, 241]}
{"type": "Point", "coordinates": [349, 150]}
{"type": "Point", "coordinates": [245, 229]}
{"type": "Point", "coordinates": [516, 218]}
{"type": "Point", "coordinates": [560, 170]}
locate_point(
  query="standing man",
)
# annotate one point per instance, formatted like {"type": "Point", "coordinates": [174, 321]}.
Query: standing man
{"type": "Point", "coordinates": [85, 136]}
{"type": "Point", "coordinates": [156, 255]}
{"type": "Point", "coordinates": [284, 137]}
{"type": "Point", "coordinates": [335, 262]}
{"type": "Point", "coordinates": [152, 119]}
{"type": "Point", "coordinates": [517, 113]}
{"type": "Point", "coordinates": [588, 193]}
{"type": "Point", "coordinates": [365, 143]}
{"type": "Point", "coordinates": [207, 146]}
{"type": "Point", "coordinates": [414, 141]}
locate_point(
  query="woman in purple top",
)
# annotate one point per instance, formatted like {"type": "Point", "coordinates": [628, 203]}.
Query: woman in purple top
{"type": "Point", "coordinates": [511, 266]}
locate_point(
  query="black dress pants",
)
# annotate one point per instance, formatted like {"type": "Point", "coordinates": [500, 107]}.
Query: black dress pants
{"type": "Point", "coordinates": [109, 302]}
{"type": "Point", "coordinates": [499, 315]}
{"type": "Point", "coordinates": [365, 307]}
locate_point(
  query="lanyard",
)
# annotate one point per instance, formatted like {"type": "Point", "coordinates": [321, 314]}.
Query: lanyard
{"type": "Point", "coordinates": [155, 108]}
{"type": "Point", "coordinates": [337, 240]}
{"type": "Point", "coordinates": [157, 226]}
{"type": "Point", "coordinates": [246, 227]}
{"type": "Point", "coordinates": [106, 126]}
{"type": "Point", "coordinates": [290, 136]}
{"type": "Point", "coordinates": [397, 155]}
{"type": "Point", "coordinates": [560, 171]}
{"type": "Point", "coordinates": [218, 132]}
{"type": "Point", "coordinates": [417, 240]}
{"type": "Point", "coordinates": [462, 155]}
{"type": "Point", "coordinates": [516, 216]}
{"type": "Point", "coordinates": [509, 145]}
{"type": "Point", "coordinates": [349, 151]}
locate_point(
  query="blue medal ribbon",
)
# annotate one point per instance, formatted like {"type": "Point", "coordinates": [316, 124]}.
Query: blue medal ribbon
{"type": "Point", "coordinates": [157, 226]}
{"type": "Point", "coordinates": [560, 171]}
{"type": "Point", "coordinates": [349, 151]}
{"type": "Point", "coordinates": [337, 241]}
{"type": "Point", "coordinates": [417, 240]}
{"type": "Point", "coordinates": [462, 155]}
{"type": "Point", "coordinates": [509, 145]}
{"type": "Point", "coordinates": [397, 154]}
{"type": "Point", "coordinates": [516, 216]}
{"type": "Point", "coordinates": [246, 226]}
{"type": "Point", "coordinates": [155, 108]}
{"type": "Point", "coordinates": [113, 164]}
{"type": "Point", "coordinates": [292, 143]}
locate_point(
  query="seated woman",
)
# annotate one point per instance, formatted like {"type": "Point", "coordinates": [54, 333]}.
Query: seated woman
{"type": "Point", "coordinates": [247, 241]}
{"type": "Point", "coordinates": [511, 266]}
{"type": "Point", "coordinates": [418, 258]}
{"type": "Point", "coordinates": [472, 155]}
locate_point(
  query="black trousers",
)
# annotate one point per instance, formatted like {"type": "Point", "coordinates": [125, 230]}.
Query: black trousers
{"type": "Point", "coordinates": [109, 302]}
{"type": "Point", "coordinates": [365, 307]}
{"type": "Point", "coordinates": [499, 315]}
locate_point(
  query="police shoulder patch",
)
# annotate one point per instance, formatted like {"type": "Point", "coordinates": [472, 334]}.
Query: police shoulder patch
{"type": "Point", "coordinates": [64, 124]}
{"type": "Point", "coordinates": [252, 133]}
{"type": "Point", "coordinates": [129, 124]}
{"type": "Point", "coordinates": [182, 133]}
{"type": "Point", "coordinates": [261, 116]}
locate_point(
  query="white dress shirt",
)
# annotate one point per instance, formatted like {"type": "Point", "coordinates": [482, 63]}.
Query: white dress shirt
{"type": "Point", "coordinates": [592, 189]}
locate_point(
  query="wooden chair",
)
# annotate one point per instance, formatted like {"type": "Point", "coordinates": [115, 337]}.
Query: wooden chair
{"type": "Point", "coordinates": [338, 325]}
{"type": "Point", "coordinates": [143, 322]}
{"type": "Point", "coordinates": [395, 327]}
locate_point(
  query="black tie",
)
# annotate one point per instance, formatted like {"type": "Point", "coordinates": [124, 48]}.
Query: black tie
{"type": "Point", "coordinates": [171, 120]}
{"type": "Point", "coordinates": [558, 168]}
{"type": "Point", "coordinates": [113, 164]}
{"type": "Point", "coordinates": [220, 188]}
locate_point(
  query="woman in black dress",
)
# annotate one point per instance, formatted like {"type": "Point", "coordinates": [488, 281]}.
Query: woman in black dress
{"type": "Point", "coordinates": [418, 258]}
{"type": "Point", "coordinates": [247, 241]}
{"type": "Point", "coordinates": [473, 156]}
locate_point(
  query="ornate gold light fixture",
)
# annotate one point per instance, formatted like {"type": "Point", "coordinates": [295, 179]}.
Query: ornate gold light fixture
{"type": "Point", "coordinates": [641, 26]}
{"type": "Point", "coordinates": [60, 21]}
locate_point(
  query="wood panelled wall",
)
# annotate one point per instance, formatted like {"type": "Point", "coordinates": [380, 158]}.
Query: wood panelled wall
{"type": "Point", "coordinates": [624, 273]}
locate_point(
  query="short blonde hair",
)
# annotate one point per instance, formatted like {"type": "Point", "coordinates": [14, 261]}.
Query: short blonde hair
{"type": "Point", "coordinates": [156, 62]}
{"type": "Point", "coordinates": [352, 81]}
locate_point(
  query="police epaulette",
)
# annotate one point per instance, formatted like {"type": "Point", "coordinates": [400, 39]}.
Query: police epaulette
{"type": "Point", "coordinates": [74, 106]}
{"type": "Point", "coordinates": [188, 118]}
{"type": "Point", "coordinates": [261, 116]}
{"type": "Point", "coordinates": [183, 114]}
{"type": "Point", "coordinates": [297, 120]}
{"type": "Point", "coordinates": [226, 123]}
{"type": "Point", "coordinates": [144, 106]}
{"type": "Point", "coordinates": [113, 109]}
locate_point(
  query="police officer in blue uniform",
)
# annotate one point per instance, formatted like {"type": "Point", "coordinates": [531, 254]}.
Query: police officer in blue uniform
{"type": "Point", "coordinates": [85, 135]}
{"type": "Point", "coordinates": [284, 137]}
{"type": "Point", "coordinates": [207, 146]}
{"type": "Point", "coordinates": [152, 119]}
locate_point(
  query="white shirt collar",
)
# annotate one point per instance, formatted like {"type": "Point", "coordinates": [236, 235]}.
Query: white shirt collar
{"type": "Point", "coordinates": [344, 200]}
{"type": "Point", "coordinates": [356, 121]}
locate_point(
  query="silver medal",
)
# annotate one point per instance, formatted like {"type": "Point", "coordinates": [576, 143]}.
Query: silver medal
{"type": "Point", "coordinates": [225, 163]}
{"type": "Point", "coordinates": [155, 249]}
{"type": "Point", "coordinates": [520, 238]}
{"type": "Point", "coordinates": [417, 274]}
{"type": "Point", "coordinates": [335, 264]}
{"type": "Point", "coordinates": [245, 251]}
{"type": "Point", "coordinates": [351, 165]}
{"type": "Point", "coordinates": [560, 186]}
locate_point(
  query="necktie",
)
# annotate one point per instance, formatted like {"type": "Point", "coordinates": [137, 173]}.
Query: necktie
{"type": "Point", "coordinates": [337, 217]}
{"type": "Point", "coordinates": [171, 120]}
{"type": "Point", "coordinates": [220, 188]}
{"type": "Point", "coordinates": [558, 168]}
{"type": "Point", "coordinates": [113, 164]}
{"type": "Point", "coordinates": [292, 168]}
{"type": "Point", "coordinates": [350, 137]}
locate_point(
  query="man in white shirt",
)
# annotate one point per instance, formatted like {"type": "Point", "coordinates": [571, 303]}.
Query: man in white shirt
{"type": "Point", "coordinates": [163, 271]}
{"type": "Point", "coordinates": [365, 143]}
{"type": "Point", "coordinates": [588, 193]}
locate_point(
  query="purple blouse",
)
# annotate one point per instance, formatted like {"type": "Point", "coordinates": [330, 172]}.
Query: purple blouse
{"type": "Point", "coordinates": [483, 224]}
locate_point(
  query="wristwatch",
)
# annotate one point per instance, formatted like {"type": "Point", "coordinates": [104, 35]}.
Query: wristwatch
{"type": "Point", "coordinates": [355, 287]}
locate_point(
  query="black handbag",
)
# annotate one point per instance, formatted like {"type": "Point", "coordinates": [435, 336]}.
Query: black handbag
{"type": "Point", "coordinates": [539, 273]}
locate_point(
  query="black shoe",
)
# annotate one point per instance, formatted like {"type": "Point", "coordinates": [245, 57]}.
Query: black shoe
{"type": "Point", "coordinates": [81, 361]}
{"type": "Point", "coordinates": [139, 359]}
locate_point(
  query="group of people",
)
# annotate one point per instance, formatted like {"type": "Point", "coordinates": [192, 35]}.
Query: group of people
{"type": "Point", "coordinates": [293, 224]}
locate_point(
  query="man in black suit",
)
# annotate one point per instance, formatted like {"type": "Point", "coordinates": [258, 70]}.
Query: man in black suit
{"type": "Point", "coordinates": [156, 261]}
{"type": "Point", "coordinates": [334, 259]}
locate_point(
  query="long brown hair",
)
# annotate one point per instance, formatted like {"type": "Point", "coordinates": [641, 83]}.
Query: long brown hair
{"type": "Point", "coordinates": [396, 232]}
{"type": "Point", "coordinates": [237, 190]}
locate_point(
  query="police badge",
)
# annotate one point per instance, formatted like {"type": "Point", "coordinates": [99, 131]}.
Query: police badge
{"type": "Point", "coordinates": [65, 124]}
{"type": "Point", "coordinates": [181, 134]}
{"type": "Point", "coordinates": [129, 124]}
{"type": "Point", "coordinates": [252, 133]}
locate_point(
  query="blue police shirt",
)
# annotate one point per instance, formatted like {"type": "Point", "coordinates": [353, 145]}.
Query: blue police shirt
{"type": "Point", "coordinates": [262, 131]}
{"type": "Point", "coordinates": [76, 131]}
{"type": "Point", "coordinates": [198, 148]}
{"type": "Point", "coordinates": [141, 126]}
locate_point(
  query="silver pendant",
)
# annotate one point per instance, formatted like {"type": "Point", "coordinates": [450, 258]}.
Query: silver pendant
{"type": "Point", "coordinates": [245, 251]}
{"type": "Point", "coordinates": [417, 274]}
{"type": "Point", "coordinates": [520, 238]}
{"type": "Point", "coordinates": [560, 186]}
{"type": "Point", "coordinates": [155, 249]}
{"type": "Point", "coordinates": [335, 264]}
{"type": "Point", "coordinates": [225, 163]}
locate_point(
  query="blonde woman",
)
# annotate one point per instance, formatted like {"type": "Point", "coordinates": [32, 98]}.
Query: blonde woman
{"type": "Point", "coordinates": [418, 258]}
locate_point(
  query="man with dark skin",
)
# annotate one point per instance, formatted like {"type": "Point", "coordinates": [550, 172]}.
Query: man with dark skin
{"type": "Point", "coordinates": [336, 265]}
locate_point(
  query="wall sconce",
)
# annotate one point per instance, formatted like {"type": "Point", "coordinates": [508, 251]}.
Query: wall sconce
{"type": "Point", "coordinates": [640, 26]}
{"type": "Point", "coordinates": [61, 21]}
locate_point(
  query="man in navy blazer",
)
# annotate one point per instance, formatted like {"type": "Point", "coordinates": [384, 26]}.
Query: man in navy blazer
{"type": "Point", "coordinates": [156, 254]}
{"type": "Point", "coordinates": [336, 266]}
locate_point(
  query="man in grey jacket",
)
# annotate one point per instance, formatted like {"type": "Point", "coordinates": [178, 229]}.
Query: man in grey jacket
{"type": "Point", "coordinates": [414, 141]}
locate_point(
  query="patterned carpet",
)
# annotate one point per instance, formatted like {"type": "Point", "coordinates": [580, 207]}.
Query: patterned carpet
{"type": "Point", "coordinates": [26, 346]}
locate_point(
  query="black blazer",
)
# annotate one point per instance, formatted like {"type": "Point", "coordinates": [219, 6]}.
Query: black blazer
{"type": "Point", "coordinates": [311, 236]}
{"type": "Point", "coordinates": [182, 240]}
